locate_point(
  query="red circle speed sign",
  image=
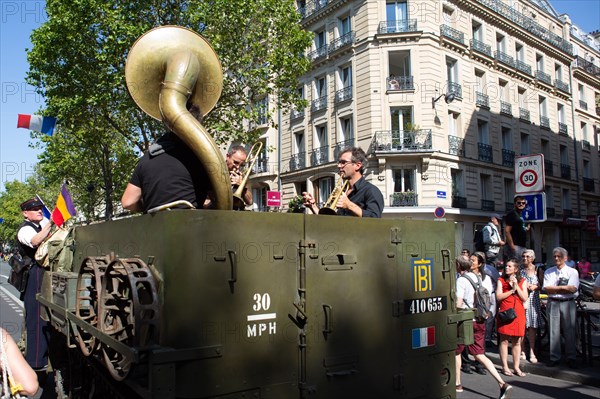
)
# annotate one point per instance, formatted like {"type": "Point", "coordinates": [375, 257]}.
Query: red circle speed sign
{"type": "Point", "coordinates": [528, 178]}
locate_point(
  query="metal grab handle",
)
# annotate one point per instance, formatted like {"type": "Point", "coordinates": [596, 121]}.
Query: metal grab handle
{"type": "Point", "coordinates": [328, 312]}
{"type": "Point", "coordinates": [233, 261]}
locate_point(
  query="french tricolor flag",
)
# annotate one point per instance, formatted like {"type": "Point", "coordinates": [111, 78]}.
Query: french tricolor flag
{"type": "Point", "coordinates": [423, 337]}
{"type": "Point", "coordinates": [44, 124]}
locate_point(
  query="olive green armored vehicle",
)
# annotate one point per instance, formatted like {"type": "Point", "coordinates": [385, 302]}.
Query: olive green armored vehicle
{"type": "Point", "coordinates": [179, 304]}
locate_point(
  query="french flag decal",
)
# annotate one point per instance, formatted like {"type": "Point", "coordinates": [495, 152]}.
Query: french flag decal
{"type": "Point", "coordinates": [423, 337]}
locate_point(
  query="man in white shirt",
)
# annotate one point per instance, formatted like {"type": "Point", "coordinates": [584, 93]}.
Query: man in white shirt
{"type": "Point", "coordinates": [492, 240]}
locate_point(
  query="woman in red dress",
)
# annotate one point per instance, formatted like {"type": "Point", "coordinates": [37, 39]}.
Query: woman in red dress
{"type": "Point", "coordinates": [511, 292]}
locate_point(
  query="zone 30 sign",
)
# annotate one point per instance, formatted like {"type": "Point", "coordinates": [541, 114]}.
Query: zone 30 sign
{"type": "Point", "coordinates": [529, 174]}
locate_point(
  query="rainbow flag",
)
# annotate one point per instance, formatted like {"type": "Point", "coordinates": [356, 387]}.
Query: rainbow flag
{"type": "Point", "coordinates": [64, 207]}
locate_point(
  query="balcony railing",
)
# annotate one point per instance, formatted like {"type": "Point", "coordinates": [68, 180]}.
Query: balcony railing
{"type": "Point", "coordinates": [319, 104]}
{"type": "Point", "coordinates": [321, 52]}
{"type": "Point", "coordinates": [548, 167]}
{"type": "Point", "coordinates": [343, 94]}
{"type": "Point", "coordinates": [312, 7]}
{"type": "Point", "coordinates": [505, 108]}
{"type": "Point", "coordinates": [396, 83]}
{"type": "Point", "coordinates": [399, 26]}
{"type": "Point", "coordinates": [562, 86]}
{"type": "Point", "coordinates": [459, 202]}
{"type": "Point", "coordinates": [298, 161]}
{"type": "Point", "coordinates": [481, 47]}
{"type": "Point", "coordinates": [297, 114]}
{"type": "Point", "coordinates": [408, 198]}
{"type": "Point", "coordinates": [402, 140]}
{"type": "Point", "coordinates": [456, 146]}
{"type": "Point", "coordinates": [587, 66]}
{"type": "Point", "coordinates": [505, 58]}
{"type": "Point", "coordinates": [344, 40]}
{"type": "Point", "coordinates": [563, 129]}
{"type": "Point", "coordinates": [586, 145]}
{"type": "Point", "coordinates": [543, 77]}
{"type": "Point", "coordinates": [484, 153]}
{"type": "Point", "coordinates": [508, 158]}
{"type": "Point", "coordinates": [342, 145]}
{"type": "Point", "coordinates": [588, 184]}
{"type": "Point", "coordinates": [530, 25]}
{"type": "Point", "coordinates": [565, 171]}
{"type": "Point", "coordinates": [482, 100]}
{"type": "Point", "coordinates": [452, 33]}
{"type": "Point", "coordinates": [319, 156]}
{"type": "Point", "coordinates": [455, 88]}
{"type": "Point", "coordinates": [487, 205]}
{"type": "Point", "coordinates": [583, 105]}
{"type": "Point", "coordinates": [523, 67]}
{"type": "Point", "coordinates": [261, 165]}
{"type": "Point", "coordinates": [544, 122]}
{"type": "Point", "coordinates": [524, 115]}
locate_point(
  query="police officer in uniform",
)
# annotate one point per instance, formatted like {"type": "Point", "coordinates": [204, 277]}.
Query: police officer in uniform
{"type": "Point", "coordinates": [32, 232]}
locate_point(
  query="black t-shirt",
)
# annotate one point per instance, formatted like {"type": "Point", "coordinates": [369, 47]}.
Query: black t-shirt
{"type": "Point", "coordinates": [518, 232]}
{"type": "Point", "coordinates": [367, 197]}
{"type": "Point", "coordinates": [175, 174]}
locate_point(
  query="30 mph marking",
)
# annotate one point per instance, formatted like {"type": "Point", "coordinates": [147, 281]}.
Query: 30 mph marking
{"type": "Point", "coordinates": [528, 178]}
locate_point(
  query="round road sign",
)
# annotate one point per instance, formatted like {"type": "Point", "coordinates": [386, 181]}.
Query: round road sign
{"type": "Point", "coordinates": [439, 212]}
{"type": "Point", "coordinates": [528, 178]}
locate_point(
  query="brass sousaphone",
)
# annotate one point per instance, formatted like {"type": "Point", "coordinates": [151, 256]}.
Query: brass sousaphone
{"type": "Point", "coordinates": [170, 69]}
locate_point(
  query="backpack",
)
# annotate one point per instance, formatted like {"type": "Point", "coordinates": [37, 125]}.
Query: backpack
{"type": "Point", "coordinates": [478, 240]}
{"type": "Point", "coordinates": [482, 301]}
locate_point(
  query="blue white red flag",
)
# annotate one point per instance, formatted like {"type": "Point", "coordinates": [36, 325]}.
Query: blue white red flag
{"type": "Point", "coordinates": [423, 337]}
{"type": "Point", "coordinates": [44, 124]}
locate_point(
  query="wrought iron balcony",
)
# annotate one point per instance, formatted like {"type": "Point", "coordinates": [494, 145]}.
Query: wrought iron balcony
{"type": "Point", "coordinates": [454, 88]}
{"type": "Point", "coordinates": [321, 52]}
{"type": "Point", "coordinates": [297, 114]}
{"type": "Point", "coordinates": [588, 184]}
{"type": "Point", "coordinates": [487, 205]}
{"type": "Point", "coordinates": [545, 122]}
{"type": "Point", "coordinates": [396, 83]}
{"type": "Point", "coordinates": [342, 145]}
{"type": "Point", "coordinates": [482, 100]}
{"type": "Point", "coordinates": [402, 140]}
{"type": "Point", "coordinates": [318, 104]}
{"type": "Point", "coordinates": [456, 146]}
{"type": "Point", "coordinates": [459, 202]}
{"type": "Point", "coordinates": [548, 167]}
{"type": "Point", "coordinates": [523, 67]}
{"type": "Point", "coordinates": [452, 33]}
{"type": "Point", "coordinates": [508, 158]}
{"type": "Point", "coordinates": [506, 11]}
{"type": "Point", "coordinates": [261, 165]}
{"type": "Point", "coordinates": [399, 26]}
{"type": "Point", "coordinates": [505, 58]}
{"type": "Point", "coordinates": [543, 77]}
{"type": "Point", "coordinates": [586, 145]}
{"type": "Point", "coordinates": [312, 7]}
{"type": "Point", "coordinates": [565, 171]}
{"type": "Point", "coordinates": [484, 153]}
{"type": "Point", "coordinates": [342, 41]}
{"type": "Point", "coordinates": [481, 47]}
{"type": "Point", "coordinates": [562, 86]}
{"type": "Point", "coordinates": [505, 108]}
{"type": "Point", "coordinates": [583, 105]}
{"type": "Point", "coordinates": [343, 94]}
{"type": "Point", "coordinates": [298, 161]}
{"type": "Point", "coordinates": [563, 129]}
{"type": "Point", "coordinates": [408, 198]}
{"type": "Point", "coordinates": [524, 115]}
{"type": "Point", "coordinates": [319, 156]}
{"type": "Point", "coordinates": [587, 66]}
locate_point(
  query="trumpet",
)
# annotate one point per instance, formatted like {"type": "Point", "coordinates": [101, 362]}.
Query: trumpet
{"type": "Point", "coordinates": [238, 200]}
{"type": "Point", "coordinates": [330, 207]}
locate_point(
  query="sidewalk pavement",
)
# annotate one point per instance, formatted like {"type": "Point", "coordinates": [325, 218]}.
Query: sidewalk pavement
{"type": "Point", "coordinates": [585, 373]}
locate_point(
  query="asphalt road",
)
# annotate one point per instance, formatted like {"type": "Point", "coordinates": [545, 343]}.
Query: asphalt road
{"type": "Point", "coordinates": [11, 307]}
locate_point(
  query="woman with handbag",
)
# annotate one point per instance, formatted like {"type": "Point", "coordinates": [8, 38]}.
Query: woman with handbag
{"type": "Point", "coordinates": [510, 294]}
{"type": "Point", "coordinates": [532, 305]}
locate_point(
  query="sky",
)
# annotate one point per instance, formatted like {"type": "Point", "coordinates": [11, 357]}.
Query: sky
{"type": "Point", "coordinates": [19, 18]}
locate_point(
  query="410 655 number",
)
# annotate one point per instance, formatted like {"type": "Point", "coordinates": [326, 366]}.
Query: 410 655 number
{"type": "Point", "coordinates": [425, 305]}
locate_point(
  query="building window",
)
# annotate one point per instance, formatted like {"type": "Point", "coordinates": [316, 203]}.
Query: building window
{"type": "Point", "coordinates": [581, 91]}
{"type": "Point", "coordinates": [346, 131]}
{"type": "Point", "coordinates": [564, 155]}
{"type": "Point", "coordinates": [320, 87]}
{"type": "Point", "coordinates": [299, 144]}
{"type": "Point", "coordinates": [507, 141]}
{"type": "Point", "coordinates": [584, 131]}
{"type": "Point", "coordinates": [560, 112]}
{"type": "Point", "coordinates": [500, 43]}
{"type": "Point", "coordinates": [477, 31]}
{"type": "Point", "coordinates": [485, 191]}
{"type": "Point", "coordinates": [345, 76]}
{"type": "Point", "coordinates": [324, 189]}
{"type": "Point", "coordinates": [566, 200]}
{"type": "Point", "coordinates": [401, 118]}
{"type": "Point", "coordinates": [539, 62]}
{"type": "Point", "coordinates": [400, 73]}
{"type": "Point", "coordinates": [509, 192]}
{"type": "Point", "coordinates": [457, 183]}
{"type": "Point", "coordinates": [263, 110]}
{"type": "Point", "coordinates": [520, 52]}
{"type": "Point", "coordinates": [558, 72]}
{"type": "Point", "coordinates": [320, 39]}
{"type": "Point", "coordinates": [525, 147]}
{"type": "Point", "coordinates": [453, 124]}
{"type": "Point", "coordinates": [396, 10]}
{"type": "Point", "coordinates": [344, 26]}
{"type": "Point", "coordinates": [404, 180]}
{"type": "Point", "coordinates": [483, 134]}
{"type": "Point", "coordinates": [259, 197]}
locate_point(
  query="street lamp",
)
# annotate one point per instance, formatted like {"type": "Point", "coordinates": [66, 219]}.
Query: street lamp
{"type": "Point", "coordinates": [448, 97]}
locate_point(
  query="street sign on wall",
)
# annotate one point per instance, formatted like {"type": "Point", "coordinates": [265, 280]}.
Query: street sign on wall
{"type": "Point", "coordinates": [274, 198]}
{"type": "Point", "coordinates": [535, 210]}
{"type": "Point", "coordinates": [529, 174]}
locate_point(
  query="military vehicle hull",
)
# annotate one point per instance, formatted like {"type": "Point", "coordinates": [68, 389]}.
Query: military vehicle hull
{"type": "Point", "coordinates": [202, 304]}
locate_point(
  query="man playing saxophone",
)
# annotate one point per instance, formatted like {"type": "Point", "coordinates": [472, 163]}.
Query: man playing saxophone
{"type": "Point", "coordinates": [362, 199]}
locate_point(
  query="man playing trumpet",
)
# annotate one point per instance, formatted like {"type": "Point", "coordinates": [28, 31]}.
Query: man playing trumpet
{"type": "Point", "coordinates": [362, 198]}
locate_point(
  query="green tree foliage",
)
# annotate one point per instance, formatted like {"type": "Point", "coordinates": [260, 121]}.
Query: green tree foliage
{"type": "Point", "coordinates": [77, 63]}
